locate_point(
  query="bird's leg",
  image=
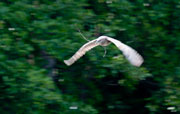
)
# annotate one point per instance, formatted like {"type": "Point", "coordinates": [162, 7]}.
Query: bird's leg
{"type": "Point", "coordinates": [104, 51]}
{"type": "Point", "coordinates": [82, 34]}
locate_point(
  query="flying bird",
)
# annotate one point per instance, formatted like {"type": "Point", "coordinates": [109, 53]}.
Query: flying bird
{"type": "Point", "coordinates": [130, 54]}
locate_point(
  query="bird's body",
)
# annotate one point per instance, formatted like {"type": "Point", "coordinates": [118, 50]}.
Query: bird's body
{"type": "Point", "coordinates": [131, 55]}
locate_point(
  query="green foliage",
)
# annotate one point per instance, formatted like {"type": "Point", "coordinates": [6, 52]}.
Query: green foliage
{"type": "Point", "coordinates": [36, 36]}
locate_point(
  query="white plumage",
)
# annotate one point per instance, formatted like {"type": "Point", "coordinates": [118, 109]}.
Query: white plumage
{"type": "Point", "coordinates": [130, 54]}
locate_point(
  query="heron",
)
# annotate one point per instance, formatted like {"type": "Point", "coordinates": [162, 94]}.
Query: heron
{"type": "Point", "coordinates": [129, 53]}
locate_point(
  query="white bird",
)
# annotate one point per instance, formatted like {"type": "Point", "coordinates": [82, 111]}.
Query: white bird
{"type": "Point", "coordinates": [130, 54]}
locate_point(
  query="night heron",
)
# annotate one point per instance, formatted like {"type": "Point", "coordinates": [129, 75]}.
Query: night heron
{"type": "Point", "coordinates": [130, 54]}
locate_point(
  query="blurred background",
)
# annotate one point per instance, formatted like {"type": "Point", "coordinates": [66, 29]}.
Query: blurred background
{"type": "Point", "coordinates": [36, 36]}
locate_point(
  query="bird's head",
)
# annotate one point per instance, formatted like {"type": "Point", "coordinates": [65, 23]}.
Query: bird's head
{"type": "Point", "coordinates": [102, 40]}
{"type": "Point", "coordinates": [102, 37]}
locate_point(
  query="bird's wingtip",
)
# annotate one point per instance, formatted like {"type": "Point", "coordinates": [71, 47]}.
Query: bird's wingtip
{"type": "Point", "coordinates": [67, 62]}
{"type": "Point", "coordinates": [139, 63]}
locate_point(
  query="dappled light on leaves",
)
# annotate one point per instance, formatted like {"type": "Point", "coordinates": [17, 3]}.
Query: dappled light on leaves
{"type": "Point", "coordinates": [36, 36]}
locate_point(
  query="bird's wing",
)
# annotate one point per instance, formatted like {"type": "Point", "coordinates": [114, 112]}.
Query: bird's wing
{"type": "Point", "coordinates": [131, 55]}
{"type": "Point", "coordinates": [86, 47]}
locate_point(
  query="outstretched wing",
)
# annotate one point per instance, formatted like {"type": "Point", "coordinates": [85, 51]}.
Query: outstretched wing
{"type": "Point", "coordinates": [86, 47]}
{"type": "Point", "coordinates": [131, 55]}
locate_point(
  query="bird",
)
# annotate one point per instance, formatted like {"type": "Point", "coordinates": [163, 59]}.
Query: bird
{"type": "Point", "coordinates": [129, 53]}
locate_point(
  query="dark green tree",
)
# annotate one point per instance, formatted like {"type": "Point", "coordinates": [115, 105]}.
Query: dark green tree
{"type": "Point", "coordinates": [36, 36]}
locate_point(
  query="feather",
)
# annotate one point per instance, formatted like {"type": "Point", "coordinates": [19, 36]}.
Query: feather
{"type": "Point", "coordinates": [131, 55]}
{"type": "Point", "coordinates": [86, 47]}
